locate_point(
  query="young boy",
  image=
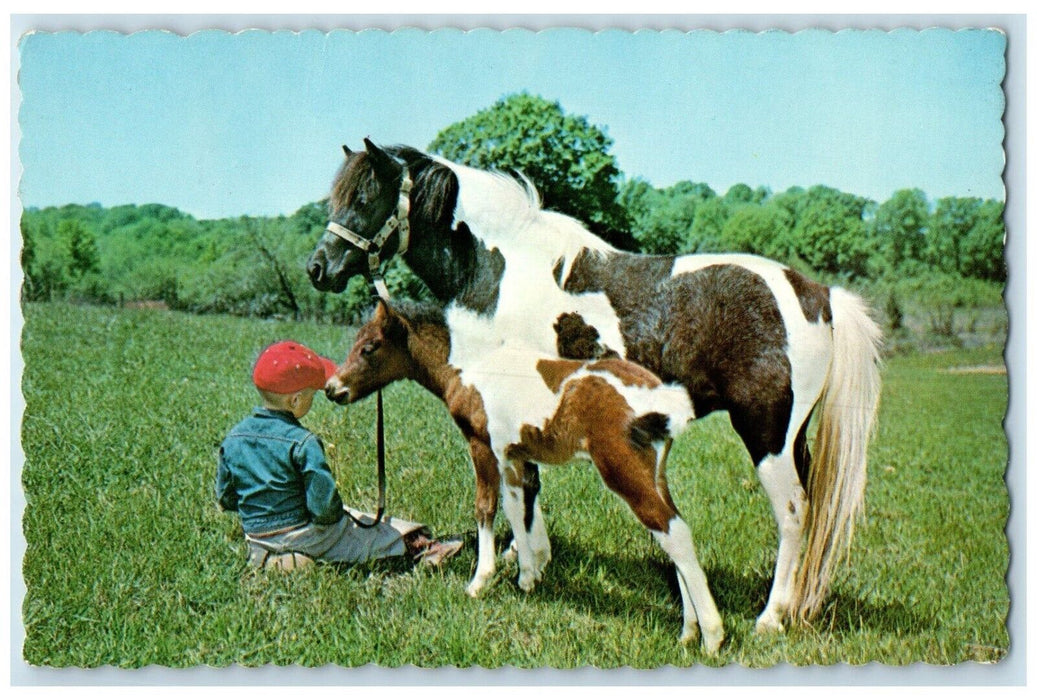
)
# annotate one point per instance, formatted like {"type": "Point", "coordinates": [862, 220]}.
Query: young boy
{"type": "Point", "coordinates": [273, 472]}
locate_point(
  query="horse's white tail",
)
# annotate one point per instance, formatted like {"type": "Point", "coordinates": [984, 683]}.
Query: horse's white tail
{"type": "Point", "coordinates": [838, 472]}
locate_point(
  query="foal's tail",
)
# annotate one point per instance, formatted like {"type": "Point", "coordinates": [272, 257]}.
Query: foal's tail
{"type": "Point", "coordinates": [835, 488]}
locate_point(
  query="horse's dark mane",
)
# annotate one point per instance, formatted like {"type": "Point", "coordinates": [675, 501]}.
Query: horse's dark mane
{"type": "Point", "coordinates": [345, 182]}
{"type": "Point", "coordinates": [435, 185]}
{"type": "Point", "coordinates": [420, 313]}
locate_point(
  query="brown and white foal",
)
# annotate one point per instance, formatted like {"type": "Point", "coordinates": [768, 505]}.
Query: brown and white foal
{"type": "Point", "coordinates": [614, 411]}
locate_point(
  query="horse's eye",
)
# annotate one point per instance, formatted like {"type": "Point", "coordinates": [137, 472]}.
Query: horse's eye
{"type": "Point", "coordinates": [369, 349]}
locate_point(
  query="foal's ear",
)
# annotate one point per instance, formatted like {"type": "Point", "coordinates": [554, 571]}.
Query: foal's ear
{"type": "Point", "coordinates": [389, 322]}
{"type": "Point", "coordinates": [381, 312]}
{"type": "Point", "coordinates": [345, 149]}
{"type": "Point", "coordinates": [383, 163]}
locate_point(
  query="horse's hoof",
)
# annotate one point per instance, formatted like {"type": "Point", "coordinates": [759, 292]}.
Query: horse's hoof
{"type": "Point", "coordinates": [511, 553]}
{"type": "Point", "coordinates": [769, 624]}
{"type": "Point", "coordinates": [474, 588]}
{"type": "Point", "coordinates": [711, 642]}
{"type": "Point", "coordinates": [528, 581]}
{"type": "Point", "coordinates": [690, 635]}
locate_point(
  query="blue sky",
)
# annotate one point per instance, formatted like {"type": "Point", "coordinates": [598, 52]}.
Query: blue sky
{"type": "Point", "coordinates": [220, 124]}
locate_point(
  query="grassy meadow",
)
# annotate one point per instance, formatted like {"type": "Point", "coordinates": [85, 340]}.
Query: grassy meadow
{"type": "Point", "coordinates": [129, 563]}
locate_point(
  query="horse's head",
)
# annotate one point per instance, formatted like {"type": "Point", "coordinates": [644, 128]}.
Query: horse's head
{"type": "Point", "coordinates": [378, 357]}
{"type": "Point", "coordinates": [368, 208]}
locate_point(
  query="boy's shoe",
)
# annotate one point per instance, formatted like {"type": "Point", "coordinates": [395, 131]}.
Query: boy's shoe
{"type": "Point", "coordinates": [288, 561]}
{"type": "Point", "coordinates": [429, 551]}
{"type": "Point", "coordinates": [439, 551]}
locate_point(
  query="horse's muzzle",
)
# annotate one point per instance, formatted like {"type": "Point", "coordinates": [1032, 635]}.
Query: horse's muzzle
{"type": "Point", "coordinates": [316, 268]}
{"type": "Point", "coordinates": [336, 392]}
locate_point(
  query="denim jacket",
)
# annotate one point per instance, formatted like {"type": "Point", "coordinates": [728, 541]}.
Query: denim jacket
{"type": "Point", "coordinates": [272, 471]}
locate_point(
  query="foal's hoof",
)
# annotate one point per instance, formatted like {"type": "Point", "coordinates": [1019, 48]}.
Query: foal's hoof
{"type": "Point", "coordinates": [476, 587]}
{"type": "Point", "coordinates": [528, 580]}
{"type": "Point", "coordinates": [690, 635]}
{"type": "Point", "coordinates": [511, 553]}
{"type": "Point", "coordinates": [710, 641]}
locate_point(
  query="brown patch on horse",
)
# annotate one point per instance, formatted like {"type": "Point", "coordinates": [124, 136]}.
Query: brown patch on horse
{"type": "Point", "coordinates": [629, 373]}
{"type": "Point", "coordinates": [813, 297]}
{"type": "Point", "coordinates": [732, 353]}
{"type": "Point", "coordinates": [577, 339]}
{"type": "Point", "coordinates": [594, 417]}
{"type": "Point", "coordinates": [554, 372]}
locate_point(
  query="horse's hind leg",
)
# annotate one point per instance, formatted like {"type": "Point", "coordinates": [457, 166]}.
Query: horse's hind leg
{"type": "Point", "coordinates": [781, 479]}
{"type": "Point", "coordinates": [789, 502]}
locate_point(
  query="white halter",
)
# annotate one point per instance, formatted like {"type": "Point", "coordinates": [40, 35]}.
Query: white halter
{"type": "Point", "coordinates": [399, 220]}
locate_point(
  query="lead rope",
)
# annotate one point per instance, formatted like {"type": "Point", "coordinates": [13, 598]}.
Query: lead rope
{"type": "Point", "coordinates": [380, 442]}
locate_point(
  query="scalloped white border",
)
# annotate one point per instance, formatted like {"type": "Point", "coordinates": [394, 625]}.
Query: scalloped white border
{"type": "Point", "coordinates": [1010, 672]}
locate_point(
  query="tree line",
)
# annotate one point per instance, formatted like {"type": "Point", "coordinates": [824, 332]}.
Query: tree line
{"type": "Point", "coordinates": [255, 266]}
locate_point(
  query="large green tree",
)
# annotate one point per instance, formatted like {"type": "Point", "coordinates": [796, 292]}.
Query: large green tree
{"type": "Point", "coordinates": [762, 229]}
{"type": "Point", "coordinates": [565, 156]}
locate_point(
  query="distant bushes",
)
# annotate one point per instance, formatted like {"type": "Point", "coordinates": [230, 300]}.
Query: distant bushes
{"type": "Point", "coordinates": [244, 266]}
{"type": "Point", "coordinates": [824, 231]}
{"type": "Point", "coordinates": [909, 258]}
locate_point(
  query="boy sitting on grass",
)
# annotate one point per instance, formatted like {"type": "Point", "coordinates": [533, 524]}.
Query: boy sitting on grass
{"type": "Point", "coordinates": [272, 471]}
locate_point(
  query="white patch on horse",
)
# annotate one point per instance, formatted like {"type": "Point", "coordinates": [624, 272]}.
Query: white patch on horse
{"type": "Point", "coordinates": [497, 353]}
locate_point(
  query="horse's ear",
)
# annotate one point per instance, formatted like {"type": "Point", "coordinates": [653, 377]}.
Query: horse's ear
{"type": "Point", "coordinates": [345, 149]}
{"type": "Point", "coordinates": [383, 163]}
{"type": "Point", "coordinates": [381, 312]}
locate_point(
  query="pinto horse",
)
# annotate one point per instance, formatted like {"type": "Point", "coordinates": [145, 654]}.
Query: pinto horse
{"type": "Point", "coordinates": [740, 333]}
{"type": "Point", "coordinates": [616, 412]}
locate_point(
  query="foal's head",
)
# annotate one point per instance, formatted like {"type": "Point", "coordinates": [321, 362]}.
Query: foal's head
{"type": "Point", "coordinates": [378, 357]}
{"type": "Point", "coordinates": [363, 197]}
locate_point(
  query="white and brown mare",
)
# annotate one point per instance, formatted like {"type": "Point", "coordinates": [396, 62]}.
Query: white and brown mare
{"type": "Point", "coordinates": [740, 333]}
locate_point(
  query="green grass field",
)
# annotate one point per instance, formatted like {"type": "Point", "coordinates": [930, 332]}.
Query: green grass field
{"type": "Point", "coordinates": [129, 563]}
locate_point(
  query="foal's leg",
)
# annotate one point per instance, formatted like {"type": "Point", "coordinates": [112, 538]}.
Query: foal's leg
{"type": "Point", "coordinates": [515, 510]}
{"type": "Point", "coordinates": [487, 490]}
{"type": "Point", "coordinates": [637, 477]}
{"type": "Point", "coordinates": [534, 518]}
{"type": "Point", "coordinates": [676, 541]}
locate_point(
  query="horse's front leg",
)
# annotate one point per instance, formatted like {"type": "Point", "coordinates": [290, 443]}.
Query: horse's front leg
{"type": "Point", "coordinates": [487, 491]}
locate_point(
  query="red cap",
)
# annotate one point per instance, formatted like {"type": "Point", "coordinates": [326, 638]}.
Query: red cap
{"type": "Point", "coordinates": [288, 367]}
